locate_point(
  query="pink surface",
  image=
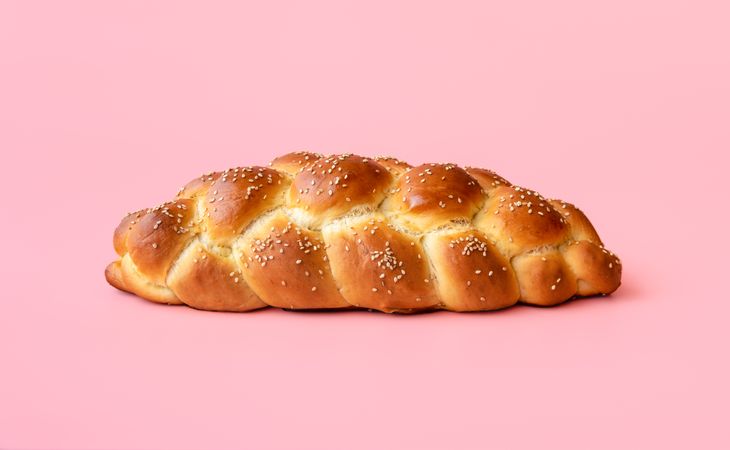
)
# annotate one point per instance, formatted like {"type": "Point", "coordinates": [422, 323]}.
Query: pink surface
{"type": "Point", "coordinates": [621, 107]}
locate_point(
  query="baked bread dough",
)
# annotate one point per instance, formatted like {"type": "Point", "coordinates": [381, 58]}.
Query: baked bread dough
{"type": "Point", "coordinates": [345, 231]}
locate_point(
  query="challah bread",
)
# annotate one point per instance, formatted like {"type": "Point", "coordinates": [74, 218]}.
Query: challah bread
{"type": "Point", "coordinates": [344, 231]}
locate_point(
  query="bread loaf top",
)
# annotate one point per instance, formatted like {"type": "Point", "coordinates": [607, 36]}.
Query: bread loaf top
{"type": "Point", "coordinates": [344, 231]}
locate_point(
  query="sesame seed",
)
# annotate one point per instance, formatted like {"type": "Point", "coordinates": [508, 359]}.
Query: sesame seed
{"type": "Point", "coordinates": [552, 287]}
{"type": "Point", "coordinates": [154, 245]}
{"type": "Point", "coordinates": [298, 261]}
{"type": "Point", "coordinates": [491, 272]}
{"type": "Point", "coordinates": [314, 288]}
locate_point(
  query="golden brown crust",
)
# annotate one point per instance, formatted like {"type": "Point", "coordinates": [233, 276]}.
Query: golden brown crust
{"type": "Point", "coordinates": [123, 275]}
{"type": "Point", "coordinates": [287, 265]}
{"type": "Point", "coordinates": [598, 271]}
{"type": "Point", "coordinates": [487, 179]}
{"type": "Point", "coordinates": [471, 274]}
{"type": "Point", "coordinates": [345, 231]}
{"type": "Point", "coordinates": [239, 196]}
{"type": "Point", "coordinates": [140, 285]}
{"type": "Point", "coordinates": [378, 267]}
{"type": "Point", "coordinates": [394, 165]}
{"type": "Point", "coordinates": [519, 219]}
{"type": "Point", "coordinates": [113, 275]}
{"type": "Point", "coordinates": [205, 280]}
{"type": "Point", "coordinates": [159, 236]}
{"type": "Point", "coordinates": [198, 186]}
{"type": "Point", "coordinates": [544, 278]}
{"type": "Point", "coordinates": [433, 195]}
{"type": "Point", "coordinates": [123, 229]}
{"type": "Point", "coordinates": [331, 187]}
{"type": "Point", "coordinates": [580, 226]}
{"type": "Point", "coordinates": [295, 162]}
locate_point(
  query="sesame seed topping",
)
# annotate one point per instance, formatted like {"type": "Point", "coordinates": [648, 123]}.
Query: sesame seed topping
{"type": "Point", "coordinates": [471, 244]}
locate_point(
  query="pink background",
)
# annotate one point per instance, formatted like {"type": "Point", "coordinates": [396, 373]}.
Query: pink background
{"type": "Point", "coordinates": [619, 106]}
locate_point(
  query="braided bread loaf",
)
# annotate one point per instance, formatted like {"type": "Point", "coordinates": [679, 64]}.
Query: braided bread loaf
{"type": "Point", "coordinates": [344, 231]}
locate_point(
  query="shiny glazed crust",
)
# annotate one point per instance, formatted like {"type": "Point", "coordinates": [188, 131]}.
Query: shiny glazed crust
{"type": "Point", "coordinates": [344, 231]}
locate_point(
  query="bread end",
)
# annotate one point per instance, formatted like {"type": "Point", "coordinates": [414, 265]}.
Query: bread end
{"type": "Point", "coordinates": [113, 274]}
